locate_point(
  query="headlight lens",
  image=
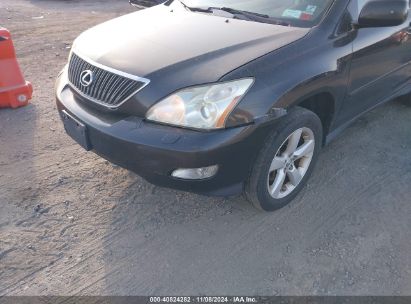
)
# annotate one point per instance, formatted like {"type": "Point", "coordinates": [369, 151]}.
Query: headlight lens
{"type": "Point", "coordinates": [203, 107]}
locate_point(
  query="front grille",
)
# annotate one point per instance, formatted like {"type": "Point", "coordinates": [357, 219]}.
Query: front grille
{"type": "Point", "coordinates": [106, 86]}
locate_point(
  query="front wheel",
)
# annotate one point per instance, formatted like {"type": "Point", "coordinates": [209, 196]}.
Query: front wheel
{"type": "Point", "coordinates": [286, 160]}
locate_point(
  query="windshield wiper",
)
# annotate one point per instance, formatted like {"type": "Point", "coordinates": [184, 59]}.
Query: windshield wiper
{"type": "Point", "coordinates": [195, 9]}
{"type": "Point", "coordinates": [252, 16]}
{"type": "Point", "coordinates": [238, 14]}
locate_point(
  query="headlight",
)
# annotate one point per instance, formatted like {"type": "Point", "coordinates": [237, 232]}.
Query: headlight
{"type": "Point", "coordinates": [202, 107]}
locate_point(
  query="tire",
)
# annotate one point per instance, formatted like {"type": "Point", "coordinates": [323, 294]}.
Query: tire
{"type": "Point", "coordinates": [261, 188]}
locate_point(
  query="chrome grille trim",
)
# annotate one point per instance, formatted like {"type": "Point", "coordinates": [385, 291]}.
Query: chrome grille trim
{"type": "Point", "coordinates": [112, 88]}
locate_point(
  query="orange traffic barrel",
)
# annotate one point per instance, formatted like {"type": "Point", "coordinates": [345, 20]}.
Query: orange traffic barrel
{"type": "Point", "coordinates": [14, 90]}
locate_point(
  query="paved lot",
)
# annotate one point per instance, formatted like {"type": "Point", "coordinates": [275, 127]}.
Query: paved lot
{"type": "Point", "coordinates": [71, 223]}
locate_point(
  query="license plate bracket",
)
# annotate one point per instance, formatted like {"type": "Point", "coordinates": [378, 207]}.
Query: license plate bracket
{"type": "Point", "coordinates": [76, 130]}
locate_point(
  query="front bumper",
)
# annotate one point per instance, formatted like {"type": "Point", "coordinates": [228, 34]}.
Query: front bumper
{"type": "Point", "coordinates": [154, 151]}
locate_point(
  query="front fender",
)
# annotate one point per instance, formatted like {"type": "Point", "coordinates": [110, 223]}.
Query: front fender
{"type": "Point", "coordinates": [315, 64]}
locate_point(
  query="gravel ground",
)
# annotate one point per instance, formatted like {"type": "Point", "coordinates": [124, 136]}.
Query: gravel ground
{"type": "Point", "coordinates": [73, 224]}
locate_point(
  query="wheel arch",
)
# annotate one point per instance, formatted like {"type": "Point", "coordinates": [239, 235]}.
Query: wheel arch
{"type": "Point", "coordinates": [323, 104]}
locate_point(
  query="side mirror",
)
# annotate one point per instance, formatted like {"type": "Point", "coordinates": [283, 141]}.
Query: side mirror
{"type": "Point", "coordinates": [145, 3]}
{"type": "Point", "coordinates": [381, 13]}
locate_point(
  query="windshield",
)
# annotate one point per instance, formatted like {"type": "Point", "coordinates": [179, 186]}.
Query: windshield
{"type": "Point", "coordinates": [299, 13]}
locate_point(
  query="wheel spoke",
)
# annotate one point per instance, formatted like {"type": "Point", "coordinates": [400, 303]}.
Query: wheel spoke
{"type": "Point", "coordinates": [294, 176]}
{"type": "Point", "coordinates": [278, 183]}
{"type": "Point", "coordinates": [293, 142]}
{"type": "Point", "coordinates": [291, 163]}
{"type": "Point", "coordinates": [306, 149]}
{"type": "Point", "coordinates": [277, 163]}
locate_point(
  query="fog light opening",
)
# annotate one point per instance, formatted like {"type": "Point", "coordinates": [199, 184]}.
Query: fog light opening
{"type": "Point", "coordinates": [196, 173]}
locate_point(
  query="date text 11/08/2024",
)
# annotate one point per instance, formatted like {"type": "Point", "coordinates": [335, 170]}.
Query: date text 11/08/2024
{"type": "Point", "coordinates": [203, 299]}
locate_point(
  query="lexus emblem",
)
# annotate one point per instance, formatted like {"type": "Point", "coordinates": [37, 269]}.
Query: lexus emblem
{"type": "Point", "coordinates": [86, 78]}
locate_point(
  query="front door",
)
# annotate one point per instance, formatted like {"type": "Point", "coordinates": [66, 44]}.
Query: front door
{"type": "Point", "coordinates": [380, 64]}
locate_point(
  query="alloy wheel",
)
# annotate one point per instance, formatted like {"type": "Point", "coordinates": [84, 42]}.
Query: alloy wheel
{"type": "Point", "coordinates": [291, 163]}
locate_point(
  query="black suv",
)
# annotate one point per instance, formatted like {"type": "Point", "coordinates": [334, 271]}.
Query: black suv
{"type": "Point", "coordinates": [221, 97]}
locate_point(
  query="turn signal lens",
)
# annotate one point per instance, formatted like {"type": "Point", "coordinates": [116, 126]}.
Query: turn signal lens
{"type": "Point", "coordinates": [172, 110]}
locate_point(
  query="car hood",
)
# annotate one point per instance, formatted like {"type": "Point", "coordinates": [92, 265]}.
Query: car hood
{"type": "Point", "coordinates": [162, 39]}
